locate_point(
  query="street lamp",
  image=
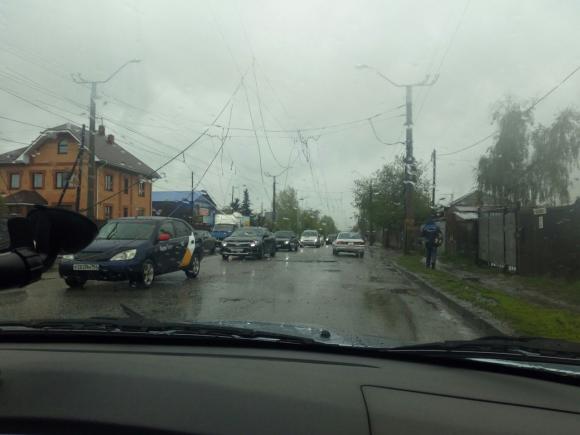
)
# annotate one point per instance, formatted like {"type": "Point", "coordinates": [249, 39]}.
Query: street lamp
{"type": "Point", "coordinates": [92, 163]}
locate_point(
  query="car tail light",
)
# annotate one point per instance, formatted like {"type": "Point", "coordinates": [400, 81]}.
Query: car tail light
{"type": "Point", "coordinates": [359, 243]}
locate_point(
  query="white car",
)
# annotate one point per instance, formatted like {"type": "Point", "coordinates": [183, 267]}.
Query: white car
{"type": "Point", "coordinates": [310, 238]}
{"type": "Point", "coordinates": [350, 242]}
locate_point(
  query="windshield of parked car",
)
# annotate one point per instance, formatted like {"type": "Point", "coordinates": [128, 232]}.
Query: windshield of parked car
{"type": "Point", "coordinates": [247, 232]}
{"type": "Point", "coordinates": [439, 141]}
{"type": "Point", "coordinates": [224, 227]}
{"type": "Point", "coordinates": [123, 230]}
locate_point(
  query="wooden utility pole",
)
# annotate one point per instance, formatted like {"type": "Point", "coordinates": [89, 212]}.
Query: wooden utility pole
{"type": "Point", "coordinates": [81, 152]}
{"type": "Point", "coordinates": [434, 160]}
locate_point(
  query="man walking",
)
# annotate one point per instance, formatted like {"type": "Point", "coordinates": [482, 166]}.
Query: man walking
{"type": "Point", "coordinates": [432, 236]}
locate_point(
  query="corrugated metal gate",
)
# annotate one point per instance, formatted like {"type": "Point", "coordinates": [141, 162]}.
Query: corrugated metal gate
{"type": "Point", "coordinates": [497, 238]}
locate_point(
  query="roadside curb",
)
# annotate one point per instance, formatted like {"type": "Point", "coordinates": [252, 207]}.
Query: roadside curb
{"type": "Point", "coordinates": [473, 316]}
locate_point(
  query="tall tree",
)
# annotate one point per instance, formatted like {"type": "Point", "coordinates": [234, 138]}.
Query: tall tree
{"type": "Point", "coordinates": [383, 203]}
{"type": "Point", "coordinates": [328, 225]}
{"type": "Point", "coordinates": [530, 165]}
{"type": "Point", "coordinates": [245, 208]}
{"type": "Point", "coordinates": [287, 210]}
{"type": "Point", "coordinates": [502, 172]}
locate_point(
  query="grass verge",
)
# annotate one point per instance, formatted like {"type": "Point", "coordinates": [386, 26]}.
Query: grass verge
{"type": "Point", "coordinates": [522, 316]}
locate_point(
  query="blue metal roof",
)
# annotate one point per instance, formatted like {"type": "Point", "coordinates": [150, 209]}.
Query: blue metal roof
{"type": "Point", "coordinates": [183, 196]}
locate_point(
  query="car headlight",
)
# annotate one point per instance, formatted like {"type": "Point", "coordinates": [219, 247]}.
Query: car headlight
{"type": "Point", "coordinates": [224, 244]}
{"type": "Point", "coordinates": [253, 244]}
{"type": "Point", "coordinates": [286, 242]}
{"type": "Point", "coordinates": [68, 257]}
{"type": "Point", "coordinates": [125, 255]}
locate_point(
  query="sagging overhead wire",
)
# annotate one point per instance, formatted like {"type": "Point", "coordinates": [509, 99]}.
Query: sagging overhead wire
{"type": "Point", "coordinates": [186, 148]}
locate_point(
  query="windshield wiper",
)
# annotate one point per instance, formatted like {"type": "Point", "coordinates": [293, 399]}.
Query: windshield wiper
{"type": "Point", "coordinates": [499, 346]}
{"type": "Point", "coordinates": [142, 325]}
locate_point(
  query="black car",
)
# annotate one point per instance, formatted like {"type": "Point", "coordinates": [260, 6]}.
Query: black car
{"type": "Point", "coordinates": [208, 241]}
{"type": "Point", "coordinates": [135, 249]}
{"type": "Point", "coordinates": [286, 240]}
{"type": "Point", "coordinates": [330, 238]}
{"type": "Point", "coordinates": [249, 242]}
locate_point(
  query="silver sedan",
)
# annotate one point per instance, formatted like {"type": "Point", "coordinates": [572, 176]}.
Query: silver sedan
{"type": "Point", "coordinates": [350, 242]}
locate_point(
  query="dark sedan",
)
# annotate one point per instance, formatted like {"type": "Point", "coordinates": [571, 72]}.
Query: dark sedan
{"type": "Point", "coordinates": [287, 240]}
{"type": "Point", "coordinates": [135, 249]}
{"type": "Point", "coordinates": [249, 242]}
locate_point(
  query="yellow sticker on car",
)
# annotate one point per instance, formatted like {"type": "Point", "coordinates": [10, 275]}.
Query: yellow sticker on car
{"type": "Point", "coordinates": [188, 252]}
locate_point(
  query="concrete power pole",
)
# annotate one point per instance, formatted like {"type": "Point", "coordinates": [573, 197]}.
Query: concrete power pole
{"type": "Point", "coordinates": [370, 212]}
{"type": "Point", "coordinates": [92, 173]}
{"type": "Point", "coordinates": [434, 160]}
{"type": "Point", "coordinates": [274, 203]}
{"type": "Point", "coordinates": [409, 181]}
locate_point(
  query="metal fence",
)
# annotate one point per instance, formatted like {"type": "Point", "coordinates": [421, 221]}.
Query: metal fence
{"type": "Point", "coordinates": [497, 238]}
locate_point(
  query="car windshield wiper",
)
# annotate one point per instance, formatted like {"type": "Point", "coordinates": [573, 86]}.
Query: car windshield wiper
{"type": "Point", "coordinates": [138, 324]}
{"type": "Point", "coordinates": [499, 346]}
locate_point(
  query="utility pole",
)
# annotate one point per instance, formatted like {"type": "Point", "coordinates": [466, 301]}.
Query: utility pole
{"type": "Point", "coordinates": [192, 204]}
{"type": "Point", "coordinates": [81, 153]}
{"type": "Point", "coordinates": [434, 160]}
{"type": "Point", "coordinates": [370, 211]}
{"type": "Point", "coordinates": [274, 203]}
{"type": "Point", "coordinates": [232, 195]}
{"type": "Point", "coordinates": [92, 177]}
{"type": "Point", "coordinates": [409, 181]}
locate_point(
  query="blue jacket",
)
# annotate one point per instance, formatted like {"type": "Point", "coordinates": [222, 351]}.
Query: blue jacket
{"type": "Point", "coordinates": [431, 233]}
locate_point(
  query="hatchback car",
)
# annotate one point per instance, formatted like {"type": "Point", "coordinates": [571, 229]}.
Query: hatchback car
{"type": "Point", "coordinates": [286, 240]}
{"type": "Point", "coordinates": [349, 242]}
{"type": "Point", "coordinates": [310, 238]}
{"type": "Point", "coordinates": [135, 249]}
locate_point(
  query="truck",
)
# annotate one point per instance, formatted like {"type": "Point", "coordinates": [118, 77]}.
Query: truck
{"type": "Point", "coordinates": [225, 225]}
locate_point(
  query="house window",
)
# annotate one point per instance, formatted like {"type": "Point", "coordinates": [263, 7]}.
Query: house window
{"type": "Point", "coordinates": [37, 180]}
{"type": "Point", "coordinates": [125, 212]}
{"type": "Point", "coordinates": [109, 182]}
{"type": "Point", "coordinates": [140, 211]}
{"type": "Point", "coordinates": [141, 188]}
{"type": "Point", "coordinates": [125, 185]}
{"type": "Point", "coordinates": [63, 147]}
{"type": "Point", "coordinates": [15, 181]}
{"type": "Point", "coordinates": [108, 212]}
{"type": "Point", "coordinates": [60, 179]}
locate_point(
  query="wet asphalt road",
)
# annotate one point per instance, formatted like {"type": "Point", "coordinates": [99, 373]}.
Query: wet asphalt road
{"type": "Point", "coordinates": [349, 295]}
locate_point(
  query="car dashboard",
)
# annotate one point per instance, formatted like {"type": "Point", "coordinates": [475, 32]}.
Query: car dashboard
{"type": "Point", "coordinates": [136, 388]}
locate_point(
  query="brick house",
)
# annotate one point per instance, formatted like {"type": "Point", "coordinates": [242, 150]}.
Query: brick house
{"type": "Point", "coordinates": [36, 174]}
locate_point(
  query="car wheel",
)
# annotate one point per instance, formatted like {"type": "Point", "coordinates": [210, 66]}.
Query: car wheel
{"type": "Point", "coordinates": [213, 250]}
{"type": "Point", "coordinates": [75, 281]}
{"type": "Point", "coordinates": [334, 252]}
{"type": "Point", "coordinates": [362, 254]}
{"type": "Point", "coordinates": [194, 268]}
{"type": "Point", "coordinates": [225, 257]}
{"type": "Point", "coordinates": [260, 253]}
{"type": "Point", "coordinates": [147, 274]}
{"type": "Point", "coordinates": [273, 252]}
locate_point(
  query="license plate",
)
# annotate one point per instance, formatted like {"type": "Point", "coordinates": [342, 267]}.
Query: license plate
{"type": "Point", "coordinates": [237, 250]}
{"type": "Point", "coordinates": [350, 243]}
{"type": "Point", "coordinates": [85, 267]}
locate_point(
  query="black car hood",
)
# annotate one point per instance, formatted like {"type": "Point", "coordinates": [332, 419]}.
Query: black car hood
{"type": "Point", "coordinates": [243, 239]}
{"type": "Point", "coordinates": [106, 245]}
{"type": "Point", "coordinates": [314, 332]}
{"type": "Point", "coordinates": [284, 238]}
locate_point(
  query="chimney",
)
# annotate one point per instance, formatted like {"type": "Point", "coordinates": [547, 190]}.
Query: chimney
{"type": "Point", "coordinates": [110, 139]}
{"type": "Point", "coordinates": [101, 130]}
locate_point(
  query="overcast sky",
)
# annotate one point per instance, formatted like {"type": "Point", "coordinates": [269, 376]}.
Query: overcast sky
{"type": "Point", "coordinates": [297, 60]}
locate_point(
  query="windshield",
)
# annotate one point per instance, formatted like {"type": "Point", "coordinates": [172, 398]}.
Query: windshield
{"type": "Point", "coordinates": [424, 157]}
{"type": "Point", "coordinates": [247, 232]}
{"type": "Point", "coordinates": [349, 236]}
{"type": "Point", "coordinates": [122, 230]}
{"type": "Point", "coordinates": [223, 227]}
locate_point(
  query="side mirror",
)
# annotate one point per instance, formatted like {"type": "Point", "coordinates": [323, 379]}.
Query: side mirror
{"type": "Point", "coordinates": [163, 237]}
